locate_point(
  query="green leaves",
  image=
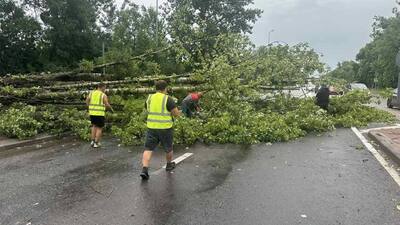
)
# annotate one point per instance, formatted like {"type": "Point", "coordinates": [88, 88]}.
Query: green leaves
{"type": "Point", "coordinates": [19, 122]}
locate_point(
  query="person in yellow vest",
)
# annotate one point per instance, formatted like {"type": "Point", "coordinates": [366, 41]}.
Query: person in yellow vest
{"type": "Point", "coordinates": [161, 110]}
{"type": "Point", "coordinates": [97, 103]}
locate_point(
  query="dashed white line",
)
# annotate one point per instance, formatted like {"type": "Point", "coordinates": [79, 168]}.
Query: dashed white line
{"type": "Point", "coordinates": [392, 172]}
{"type": "Point", "coordinates": [177, 161]}
{"type": "Point", "coordinates": [180, 158]}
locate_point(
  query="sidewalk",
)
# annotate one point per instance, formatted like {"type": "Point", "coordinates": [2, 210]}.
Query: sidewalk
{"type": "Point", "coordinates": [389, 140]}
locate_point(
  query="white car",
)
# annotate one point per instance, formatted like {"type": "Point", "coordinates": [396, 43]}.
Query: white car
{"type": "Point", "coordinates": [358, 86]}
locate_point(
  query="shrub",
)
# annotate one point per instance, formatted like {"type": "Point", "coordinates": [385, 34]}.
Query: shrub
{"type": "Point", "coordinates": [19, 122]}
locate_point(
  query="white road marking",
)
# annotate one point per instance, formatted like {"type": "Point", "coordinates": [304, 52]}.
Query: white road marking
{"type": "Point", "coordinates": [177, 161]}
{"type": "Point", "coordinates": [392, 172]}
{"type": "Point", "coordinates": [180, 159]}
{"type": "Point", "coordinates": [380, 128]}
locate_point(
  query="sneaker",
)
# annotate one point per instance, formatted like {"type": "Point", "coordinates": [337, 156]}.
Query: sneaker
{"type": "Point", "coordinates": [91, 144]}
{"type": "Point", "coordinates": [170, 166]}
{"type": "Point", "coordinates": [96, 145]}
{"type": "Point", "coordinates": [144, 175]}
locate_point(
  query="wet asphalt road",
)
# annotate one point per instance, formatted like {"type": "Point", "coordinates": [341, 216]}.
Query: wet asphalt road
{"type": "Point", "coordinates": [315, 180]}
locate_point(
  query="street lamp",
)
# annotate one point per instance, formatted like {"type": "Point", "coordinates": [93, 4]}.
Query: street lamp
{"type": "Point", "coordinates": [269, 35]}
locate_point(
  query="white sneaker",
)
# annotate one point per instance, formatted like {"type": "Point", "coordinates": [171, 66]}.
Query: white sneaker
{"type": "Point", "coordinates": [92, 144]}
{"type": "Point", "coordinates": [96, 145]}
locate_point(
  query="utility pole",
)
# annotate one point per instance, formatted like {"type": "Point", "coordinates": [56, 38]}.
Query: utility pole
{"type": "Point", "coordinates": [269, 36]}
{"type": "Point", "coordinates": [157, 22]}
{"type": "Point", "coordinates": [398, 82]}
{"type": "Point", "coordinates": [104, 61]}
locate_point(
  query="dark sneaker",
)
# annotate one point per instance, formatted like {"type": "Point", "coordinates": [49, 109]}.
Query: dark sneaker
{"type": "Point", "coordinates": [144, 175]}
{"type": "Point", "coordinates": [170, 166]}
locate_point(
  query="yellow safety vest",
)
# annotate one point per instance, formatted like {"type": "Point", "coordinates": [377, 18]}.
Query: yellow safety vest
{"type": "Point", "coordinates": [96, 105]}
{"type": "Point", "coordinates": [158, 116]}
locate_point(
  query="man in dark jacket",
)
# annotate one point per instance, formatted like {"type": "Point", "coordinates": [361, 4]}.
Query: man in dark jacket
{"type": "Point", "coordinates": [322, 98]}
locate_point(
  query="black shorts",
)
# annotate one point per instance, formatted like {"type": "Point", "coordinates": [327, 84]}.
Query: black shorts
{"type": "Point", "coordinates": [97, 121]}
{"type": "Point", "coordinates": [157, 136]}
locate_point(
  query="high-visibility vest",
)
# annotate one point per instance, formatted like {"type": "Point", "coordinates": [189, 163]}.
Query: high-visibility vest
{"type": "Point", "coordinates": [158, 117]}
{"type": "Point", "coordinates": [96, 105]}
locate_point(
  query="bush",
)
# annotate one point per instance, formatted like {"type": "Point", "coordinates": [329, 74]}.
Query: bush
{"type": "Point", "coordinates": [132, 133]}
{"type": "Point", "coordinates": [19, 122]}
{"type": "Point", "coordinates": [77, 122]}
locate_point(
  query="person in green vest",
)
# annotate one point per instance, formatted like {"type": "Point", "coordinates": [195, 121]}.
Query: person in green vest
{"type": "Point", "coordinates": [161, 110]}
{"type": "Point", "coordinates": [97, 102]}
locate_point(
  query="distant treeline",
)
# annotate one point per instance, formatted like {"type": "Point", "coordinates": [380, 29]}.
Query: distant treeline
{"type": "Point", "coordinates": [61, 35]}
{"type": "Point", "coordinates": [375, 63]}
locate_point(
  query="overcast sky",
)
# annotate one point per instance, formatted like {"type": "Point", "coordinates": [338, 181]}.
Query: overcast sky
{"type": "Point", "coordinates": [335, 28]}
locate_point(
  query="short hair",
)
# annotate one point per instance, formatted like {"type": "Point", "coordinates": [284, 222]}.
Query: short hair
{"type": "Point", "coordinates": [101, 85]}
{"type": "Point", "coordinates": [161, 85]}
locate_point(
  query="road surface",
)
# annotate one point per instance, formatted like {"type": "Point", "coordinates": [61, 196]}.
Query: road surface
{"type": "Point", "coordinates": [382, 105]}
{"type": "Point", "coordinates": [317, 180]}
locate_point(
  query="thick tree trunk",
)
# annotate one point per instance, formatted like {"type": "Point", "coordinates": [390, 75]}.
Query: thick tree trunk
{"type": "Point", "coordinates": [116, 82]}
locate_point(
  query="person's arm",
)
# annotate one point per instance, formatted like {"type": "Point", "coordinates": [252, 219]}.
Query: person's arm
{"type": "Point", "coordinates": [107, 103]}
{"type": "Point", "coordinates": [171, 107]}
{"type": "Point", "coordinates": [197, 106]}
{"type": "Point", "coordinates": [175, 112]}
{"type": "Point", "coordinates": [88, 100]}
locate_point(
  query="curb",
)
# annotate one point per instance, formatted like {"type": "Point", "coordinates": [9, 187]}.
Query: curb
{"type": "Point", "coordinates": [23, 143]}
{"type": "Point", "coordinates": [386, 144]}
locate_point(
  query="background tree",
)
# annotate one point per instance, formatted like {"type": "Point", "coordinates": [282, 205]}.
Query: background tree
{"type": "Point", "coordinates": [19, 35]}
{"type": "Point", "coordinates": [197, 23]}
{"type": "Point", "coordinates": [72, 30]}
{"type": "Point", "coordinates": [377, 58]}
{"type": "Point", "coordinates": [347, 70]}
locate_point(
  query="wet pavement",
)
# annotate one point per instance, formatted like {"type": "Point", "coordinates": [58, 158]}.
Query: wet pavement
{"type": "Point", "coordinates": [324, 180]}
{"type": "Point", "coordinates": [382, 105]}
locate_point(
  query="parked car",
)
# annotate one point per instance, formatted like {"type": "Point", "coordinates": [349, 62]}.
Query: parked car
{"type": "Point", "coordinates": [394, 101]}
{"type": "Point", "coordinates": [357, 86]}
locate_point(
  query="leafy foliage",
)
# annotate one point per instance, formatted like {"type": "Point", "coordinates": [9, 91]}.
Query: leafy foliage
{"type": "Point", "coordinates": [197, 24]}
{"type": "Point", "coordinates": [19, 122]}
{"type": "Point", "coordinates": [18, 37]}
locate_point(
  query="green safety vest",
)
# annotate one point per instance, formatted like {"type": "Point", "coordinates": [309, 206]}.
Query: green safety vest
{"type": "Point", "coordinates": [96, 105]}
{"type": "Point", "coordinates": [158, 117]}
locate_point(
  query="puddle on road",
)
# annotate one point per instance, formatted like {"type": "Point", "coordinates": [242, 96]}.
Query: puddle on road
{"type": "Point", "coordinates": [216, 163]}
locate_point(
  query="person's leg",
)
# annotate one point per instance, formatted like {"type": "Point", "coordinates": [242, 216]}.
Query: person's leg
{"type": "Point", "coordinates": [167, 140]}
{"type": "Point", "coordinates": [99, 132]}
{"type": "Point", "coordinates": [146, 158]}
{"type": "Point", "coordinates": [169, 156]}
{"type": "Point", "coordinates": [93, 135]}
{"type": "Point", "coordinates": [150, 144]}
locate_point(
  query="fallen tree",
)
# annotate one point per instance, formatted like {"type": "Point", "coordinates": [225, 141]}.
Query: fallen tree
{"type": "Point", "coordinates": [121, 82]}
{"type": "Point", "coordinates": [38, 96]}
{"type": "Point", "coordinates": [29, 80]}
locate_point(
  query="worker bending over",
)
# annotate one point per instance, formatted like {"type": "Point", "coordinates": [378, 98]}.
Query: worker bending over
{"type": "Point", "coordinates": [97, 102]}
{"type": "Point", "coordinates": [191, 104]}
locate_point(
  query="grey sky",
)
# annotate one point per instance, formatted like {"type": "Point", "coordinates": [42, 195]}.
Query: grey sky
{"type": "Point", "coordinates": [335, 28]}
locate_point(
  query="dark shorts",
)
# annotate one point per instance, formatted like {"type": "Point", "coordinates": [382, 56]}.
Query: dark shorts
{"type": "Point", "coordinates": [97, 121]}
{"type": "Point", "coordinates": [157, 136]}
